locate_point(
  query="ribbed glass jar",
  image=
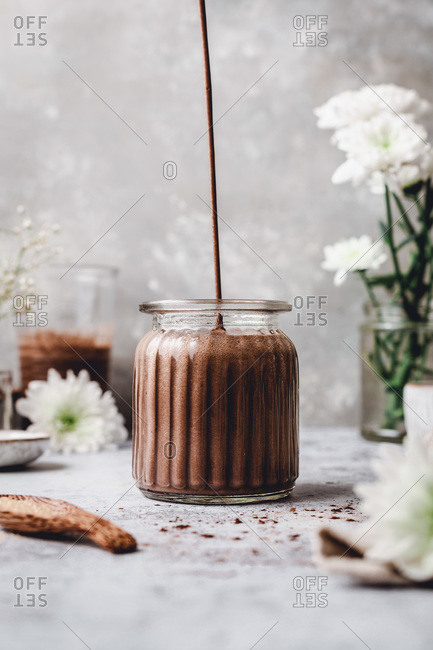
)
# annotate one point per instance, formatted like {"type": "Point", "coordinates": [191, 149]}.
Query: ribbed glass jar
{"type": "Point", "coordinates": [215, 403]}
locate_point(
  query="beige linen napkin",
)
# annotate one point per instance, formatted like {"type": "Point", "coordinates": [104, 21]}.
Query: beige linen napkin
{"type": "Point", "coordinates": [342, 550]}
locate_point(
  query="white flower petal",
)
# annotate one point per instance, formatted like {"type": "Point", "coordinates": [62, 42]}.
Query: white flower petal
{"type": "Point", "coordinates": [74, 411]}
{"type": "Point", "coordinates": [404, 491]}
{"type": "Point", "coordinates": [353, 254]}
{"type": "Point", "coordinates": [350, 170]}
{"type": "Point", "coordinates": [340, 277]}
{"type": "Point", "coordinates": [352, 106]}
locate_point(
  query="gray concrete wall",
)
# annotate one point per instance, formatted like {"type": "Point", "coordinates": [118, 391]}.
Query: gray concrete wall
{"type": "Point", "coordinates": [71, 160]}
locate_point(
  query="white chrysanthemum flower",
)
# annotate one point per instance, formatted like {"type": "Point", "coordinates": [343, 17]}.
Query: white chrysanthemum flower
{"type": "Point", "coordinates": [400, 505]}
{"type": "Point", "coordinates": [406, 176]}
{"type": "Point", "coordinates": [353, 254]}
{"type": "Point", "coordinates": [352, 106]}
{"type": "Point", "coordinates": [383, 144]}
{"type": "Point", "coordinates": [74, 411]}
{"type": "Point", "coordinates": [426, 164]}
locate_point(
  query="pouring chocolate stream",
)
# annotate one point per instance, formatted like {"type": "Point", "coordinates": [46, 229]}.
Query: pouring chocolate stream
{"type": "Point", "coordinates": [212, 166]}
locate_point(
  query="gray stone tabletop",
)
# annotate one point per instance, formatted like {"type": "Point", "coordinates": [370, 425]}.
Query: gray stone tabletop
{"type": "Point", "coordinates": [212, 577]}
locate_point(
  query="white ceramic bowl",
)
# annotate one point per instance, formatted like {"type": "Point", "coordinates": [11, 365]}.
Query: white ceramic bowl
{"type": "Point", "coordinates": [21, 447]}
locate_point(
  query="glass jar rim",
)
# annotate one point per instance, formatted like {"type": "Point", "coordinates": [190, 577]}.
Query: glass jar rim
{"type": "Point", "coordinates": [213, 305]}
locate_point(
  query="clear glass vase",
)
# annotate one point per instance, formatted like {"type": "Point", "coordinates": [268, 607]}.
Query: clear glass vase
{"type": "Point", "coordinates": [395, 352]}
{"type": "Point", "coordinates": [215, 403]}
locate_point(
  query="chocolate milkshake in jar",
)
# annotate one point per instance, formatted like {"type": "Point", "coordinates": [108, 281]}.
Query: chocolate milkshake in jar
{"type": "Point", "coordinates": [215, 403]}
{"type": "Point", "coordinates": [215, 388]}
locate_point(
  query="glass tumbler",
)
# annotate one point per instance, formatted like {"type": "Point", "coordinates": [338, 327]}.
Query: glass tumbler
{"type": "Point", "coordinates": [395, 352]}
{"type": "Point", "coordinates": [6, 399]}
{"type": "Point", "coordinates": [215, 403]}
{"type": "Point", "coordinates": [72, 323]}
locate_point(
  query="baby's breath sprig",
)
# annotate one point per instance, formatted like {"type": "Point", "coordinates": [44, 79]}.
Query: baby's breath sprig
{"type": "Point", "coordinates": [30, 249]}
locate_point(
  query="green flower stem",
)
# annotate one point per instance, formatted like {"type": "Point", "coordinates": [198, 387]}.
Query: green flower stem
{"type": "Point", "coordinates": [428, 204]}
{"type": "Point", "coordinates": [364, 278]}
{"type": "Point", "coordinates": [404, 215]}
{"type": "Point", "coordinates": [430, 280]}
{"type": "Point", "coordinates": [409, 308]}
{"type": "Point", "coordinates": [386, 280]}
{"type": "Point", "coordinates": [421, 369]}
{"type": "Point", "coordinates": [393, 414]}
{"type": "Point", "coordinates": [401, 354]}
